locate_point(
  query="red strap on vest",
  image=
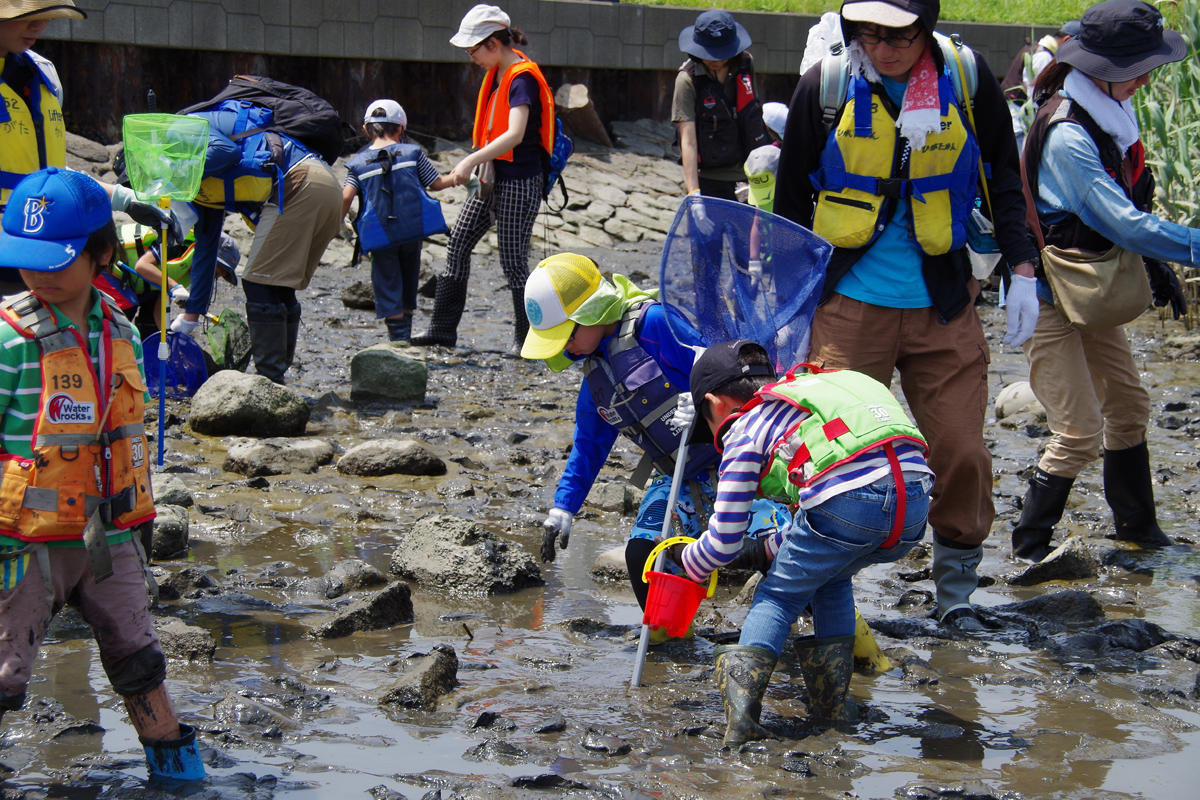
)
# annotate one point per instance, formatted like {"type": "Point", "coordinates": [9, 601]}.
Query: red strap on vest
{"type": "Point", "coordinates": [835, 428]}
{"type": "Point", "coordinates": [901, 497]}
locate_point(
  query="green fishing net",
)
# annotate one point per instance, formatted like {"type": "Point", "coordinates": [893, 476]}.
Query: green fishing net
{"type": "Point", "coordinates": [164, 155]}
{"type": "Point", "coordinates": [229, 341]}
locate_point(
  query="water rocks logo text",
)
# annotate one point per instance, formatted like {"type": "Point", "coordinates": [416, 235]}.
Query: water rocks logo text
{"type": "Point", "coordinates": [62, 409]}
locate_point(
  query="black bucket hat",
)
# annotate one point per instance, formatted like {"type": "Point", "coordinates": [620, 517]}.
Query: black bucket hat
{"type": "Point", "coordinates": [716, 36]}
{"type": "Point", "coordinates": [1120, 40]}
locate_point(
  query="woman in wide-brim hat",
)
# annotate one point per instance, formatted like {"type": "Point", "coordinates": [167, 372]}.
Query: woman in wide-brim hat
{"type": "Point", "coordinates": [717, 113]}
{"type": "Point", "coordinates": [1092, 189]}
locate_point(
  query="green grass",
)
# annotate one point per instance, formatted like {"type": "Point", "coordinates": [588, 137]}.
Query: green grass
{"type": "Point", "coordinates": [1025, 12]}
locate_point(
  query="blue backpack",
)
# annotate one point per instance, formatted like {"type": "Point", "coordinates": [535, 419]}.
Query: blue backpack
{"type": "Point", "coordinates": [557, 162]}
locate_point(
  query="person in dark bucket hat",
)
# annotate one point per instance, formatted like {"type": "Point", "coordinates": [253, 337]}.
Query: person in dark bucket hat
{"type": "Point", "coordinates": [716, 36]}
{"type": "Point", "coordinates": [1120, 40]}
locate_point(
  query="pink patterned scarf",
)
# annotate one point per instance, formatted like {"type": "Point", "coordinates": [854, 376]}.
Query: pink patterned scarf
{"type": "Point", "coordinates": [921, 113]}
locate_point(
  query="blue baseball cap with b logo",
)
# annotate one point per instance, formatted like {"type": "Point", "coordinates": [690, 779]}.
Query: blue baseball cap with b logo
{"type": "Point", "coordinates": [49, 217]}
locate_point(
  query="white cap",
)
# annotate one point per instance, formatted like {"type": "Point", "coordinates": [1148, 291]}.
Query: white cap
{"type": "Point", "coordinates": [480, 23]}
{"type": "Point", "coordinates": [775, 117]}
{"type": "Point", "coordinates": [392, 112]}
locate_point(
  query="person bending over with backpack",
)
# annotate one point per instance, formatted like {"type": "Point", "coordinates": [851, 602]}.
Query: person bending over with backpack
{"type": "Point", "coordinates": [514, 131]}
{"type": "Point", "coordinates": [899, 291]}
{"type": "Point", "coordinates": [389, 177]}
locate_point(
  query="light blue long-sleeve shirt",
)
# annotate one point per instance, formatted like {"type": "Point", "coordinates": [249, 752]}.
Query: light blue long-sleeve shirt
{"type": "Point", "coordinates": [1072, 180]}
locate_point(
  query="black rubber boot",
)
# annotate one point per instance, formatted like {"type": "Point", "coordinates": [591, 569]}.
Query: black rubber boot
{"type": "Point", "coordinates": [1045, 501]}
{"type": "Point", "coordinates": [399, 328]}
{"type": "Point", "coordinates": [1130, 495]}
{"type": "Point", "coordinates": [293, 333]}
{"type": "Point", "coordinates": [827, 665]}
{"type": "Point", "coordinates": [268, 339]}
{"type": "Point", "coordinates": [448, 304]}
{"type": "Point", "coordinates": [743, 672]}
{"type": "Point", "coordinates": [636, 553]}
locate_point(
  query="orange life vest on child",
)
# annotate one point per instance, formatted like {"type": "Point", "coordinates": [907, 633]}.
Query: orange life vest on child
{"type": "Point", "coordinates": [491, 110]}
{"type": "Point", "coordinates": [89, 447]}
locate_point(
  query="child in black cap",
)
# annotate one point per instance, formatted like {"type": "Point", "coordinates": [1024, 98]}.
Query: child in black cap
{"type": "Point", "coordinates": [836, 444]}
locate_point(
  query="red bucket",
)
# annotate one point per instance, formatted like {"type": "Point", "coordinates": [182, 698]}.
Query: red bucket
{"type": "Point", "coordinates": [672, 602]}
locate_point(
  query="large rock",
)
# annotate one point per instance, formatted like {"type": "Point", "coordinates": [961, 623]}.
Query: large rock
{"type": "Point", "coordinates": [391, 606]}
{"type": "Point", "coordinates": [188, 582]}
{"type": "Point", "coordinates": [360, 295]}
{"type": "Point", "coordinates": [233, 403]}
{"type": "Point", "coordinates": [390, 457]}
{"type": "Point", "coordinates": [610, 565]}
{"type": "Point", "coordinates": [453, 555]}
{"type": "Point", "coordinates": [255, 457]}
{"type": "Point", "coordinates": [388, 371]}
{"type": "Point", "coordinates": [185, 642]}
{"type": "Point", "coordinates": [1072, 607]}
{"type": "Point", "coordinates": [87, 149]}
{"type": "Point", "coordinates": [1073, 560]}
{"type": "Point", "coordinates": [345, 576]}
{"type": "Point", "coordinates": [423, 686]}
{"type": "Point", "coordinates": [1016, 398]}
{"type": "Point", "coordinates": [170, 533]}
{"type": "Point", "coordinates": [170, 491]}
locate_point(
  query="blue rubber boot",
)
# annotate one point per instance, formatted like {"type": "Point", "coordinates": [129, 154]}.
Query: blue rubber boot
{"type": "Point", "coordinates": [175, 759]}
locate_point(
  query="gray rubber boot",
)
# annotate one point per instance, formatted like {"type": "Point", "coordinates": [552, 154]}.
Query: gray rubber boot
{"type": "Point", "coordinates": [268, 339]}
{"type": "Point", "coordinates": [827, 665]}
{"type": "Point", "coordinates": [743, 672]}
{"type": "Point", "coordinates": [955, 577]}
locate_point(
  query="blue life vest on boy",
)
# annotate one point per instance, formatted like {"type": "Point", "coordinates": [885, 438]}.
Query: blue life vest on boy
{"type": "Point", "coordinates": [395, 208]}
{"type": "Point", "coordinates": [633, 395]}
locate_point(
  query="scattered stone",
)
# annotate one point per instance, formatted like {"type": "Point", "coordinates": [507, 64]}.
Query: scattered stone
{"type": "Point", "coordinates": [423, 686]}
{"type": "Point", "coordinates": [600, 742]}
{"type": "Point", "coordinates": [233, 403]}
{"type": "Point", "coordinates": [257, 457]}
{"type": "Point", "coordinates": [610, 565]}
{"type": "Point", "coordinates": [345, 576]}
{"type": "Point", "coordinates": [1070, 607]}
{"type": "Point", "coordinates": [1171, 422]}
{"type": "Point", "coordinates": [914, 598]}
{"type": "Point", "coordinates": [1073, 560]}
{"type": "Point", "coordinates": [359, 295]}
{"type": "Point", "coordinates": [189, 582]}
{"type": "Point", "coordinates": [386, 372]}
{"type": "Point", "coordinates": [170, 491]}
{"type": "Point", "coordinates": [972, 790]}
{"type": "Point", "coordinates": [496, 750]}
{"type": "Point", "coordinates": [185, 642]}
{"type": "Point", "coordinates": [1127, 560]}
{"type": "Point", "coordinates": [391, 606]}
{"type": "Point", "coordinates": [390, 457]}
{"type": "Point", "coordinates": [1132, 634]}
{"type": "Point", "coordinates": [382, 792]}
{"type": "Point", "coordinates": [86, 149]}
{"type": "Point", "coordinates": [449, 554]}
{"type": "Point", "coordinates": [613, 497]}
{"type": "Point", "coordinates": [555, 724]}
{"type": "Point", "coordinates": [234, 709]}
{"type": "Point", "coordinates": [170, 533]}
{"type": "Point", "coordinates": [494, 721]}
{"type": "Point", "coordinates": [1017, 398]}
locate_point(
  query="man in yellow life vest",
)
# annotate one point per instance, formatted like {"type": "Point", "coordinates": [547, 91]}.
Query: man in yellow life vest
{"type": "Point", "coordinates": [889, 173]}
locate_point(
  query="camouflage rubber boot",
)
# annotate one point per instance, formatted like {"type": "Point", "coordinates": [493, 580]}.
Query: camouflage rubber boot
{"type": "Point", "coordinates": [743, 672]}
{"type": "Point", "coordinates": [827, 665]}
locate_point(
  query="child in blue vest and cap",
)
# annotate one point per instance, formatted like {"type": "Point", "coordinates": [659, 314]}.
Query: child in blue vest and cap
{"type": "Point", "coordinates": [71, 370]}
{"type": "Point", "coordinates": [390, 177]}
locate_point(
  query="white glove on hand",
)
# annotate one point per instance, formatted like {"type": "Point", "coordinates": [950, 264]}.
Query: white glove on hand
{"type": "Point", "coordinates": [557, 523]}
{"type": "Point", "coordinates": [1022, 310]}
{"type": "Point", "coordinates": [122, 196]}
{"type": "Point", "coordinates": [704, 226]}
{"type": "Point", "coordinates": [180, 295]}
{"type": "Point", "coordinates": [685, 410]}
{"type": "Point", "coordinates": [181, 325]}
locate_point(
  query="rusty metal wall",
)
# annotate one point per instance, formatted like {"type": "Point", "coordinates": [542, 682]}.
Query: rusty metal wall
{"type": "Point", "coordinates": [103, 82]}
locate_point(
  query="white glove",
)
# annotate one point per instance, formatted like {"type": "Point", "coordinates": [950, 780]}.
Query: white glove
{"type": "Point", "coordinates": [122, 196]}
{"type": "Point", "coordinates": [754, 267]}
{"type": "Point", "coordinates": [1022, 305]}
{"type": "Point", "coordinates": [180, 294]}
{"type": "Point", "coordinates": [700, 218]}
{"type": "Point", "coordinates": [685, 410]}
{"type": "Point", "coordinates": [557, 523]}
{"type": "Point", "coordinates": [182, 325]}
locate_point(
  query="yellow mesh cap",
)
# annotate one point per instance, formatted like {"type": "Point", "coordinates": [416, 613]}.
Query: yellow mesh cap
{"type": "Point", "coordinates": [557, 288]}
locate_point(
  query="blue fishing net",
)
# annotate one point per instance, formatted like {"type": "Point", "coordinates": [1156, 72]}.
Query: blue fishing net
{"type": "Point", "coordinates": [708, 276]}
{"type": "Point", "coordinates": [186, 371]}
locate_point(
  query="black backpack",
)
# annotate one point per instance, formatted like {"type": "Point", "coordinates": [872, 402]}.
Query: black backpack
{"type": "Point", "coordinates": [296, 112]}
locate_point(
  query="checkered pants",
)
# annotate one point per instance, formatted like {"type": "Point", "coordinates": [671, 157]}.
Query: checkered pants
{"type": "Point", "coordinates": [514, 205]}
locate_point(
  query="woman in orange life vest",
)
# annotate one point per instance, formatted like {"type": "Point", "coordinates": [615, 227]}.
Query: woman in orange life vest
{"type": "Point", "coordinates": [514, 132]}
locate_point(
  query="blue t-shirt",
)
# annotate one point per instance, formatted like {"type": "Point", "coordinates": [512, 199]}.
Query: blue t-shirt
{"type": "Point", "coordinates": [889, 272]}
{"type": "Point", "coordinates": [527, 156]}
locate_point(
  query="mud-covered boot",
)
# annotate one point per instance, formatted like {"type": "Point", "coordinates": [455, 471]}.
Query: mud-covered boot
{"type": "Point", "coordinates": [743, 672]}
{"type": "Point", "coordinates": [827, 665]}
{"type": "Point", "coordinates": [175, 759]}
{"type": "Point", "coordinates": [1130, 495]}
{"type": "Point", "coordinates": [399, 328]}
{"type": "Point", "coordinates": [267, 323]}
{"type": "Point", "coordinates": [955, 577]}
{"type": "Point", "coordinates": [1044, 503]}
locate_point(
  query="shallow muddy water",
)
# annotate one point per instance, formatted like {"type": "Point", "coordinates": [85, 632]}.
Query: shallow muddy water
{"type": "Point", "coordinates": [995, 715]}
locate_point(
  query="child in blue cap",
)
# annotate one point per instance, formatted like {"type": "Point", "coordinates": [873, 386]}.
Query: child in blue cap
{"type": "Point", "coordinates": [71, 370]}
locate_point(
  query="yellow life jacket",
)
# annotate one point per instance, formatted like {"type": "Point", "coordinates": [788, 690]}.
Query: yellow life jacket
{"type": "Point", "coordinates": [32, 133]}
{"type": "Point", "coordinates": [136, 241]}
{"type": "Point", "coordinates": [89, 447]}
{"type": "Point", "coordinates": [863, 173]}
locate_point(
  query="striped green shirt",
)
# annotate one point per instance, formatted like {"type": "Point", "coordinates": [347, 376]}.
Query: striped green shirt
{"type": "Point", "coordinates": [21, 393]}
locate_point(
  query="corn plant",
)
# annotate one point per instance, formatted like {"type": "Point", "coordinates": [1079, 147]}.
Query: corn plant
{"type": "Point", "coordinates": [1168, 112]}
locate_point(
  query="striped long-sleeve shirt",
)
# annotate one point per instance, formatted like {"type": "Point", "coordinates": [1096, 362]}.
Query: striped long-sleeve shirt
{"type": "Point", "coordinates": [748, 445]}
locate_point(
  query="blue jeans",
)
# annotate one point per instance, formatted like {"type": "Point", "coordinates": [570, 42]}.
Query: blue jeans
{"type": "Point", "coordinates": [823, 550]}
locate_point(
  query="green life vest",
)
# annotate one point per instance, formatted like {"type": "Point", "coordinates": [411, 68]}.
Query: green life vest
{"type": "Point", "coordinates": [136, 241]}
{"type": "Point", "coordinates": [850, 414]}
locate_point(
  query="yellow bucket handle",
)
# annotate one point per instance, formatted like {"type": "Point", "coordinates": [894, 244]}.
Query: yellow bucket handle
{"type": "Point", "coordinates": [663, 545]}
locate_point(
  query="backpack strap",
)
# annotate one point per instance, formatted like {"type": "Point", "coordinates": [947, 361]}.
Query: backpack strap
{"type": "Point", "coordinates": [835, 75]}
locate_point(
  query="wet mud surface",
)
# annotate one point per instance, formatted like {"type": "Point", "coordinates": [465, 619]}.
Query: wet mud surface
{"type": "Point", "coordinates": [1098, 703]}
